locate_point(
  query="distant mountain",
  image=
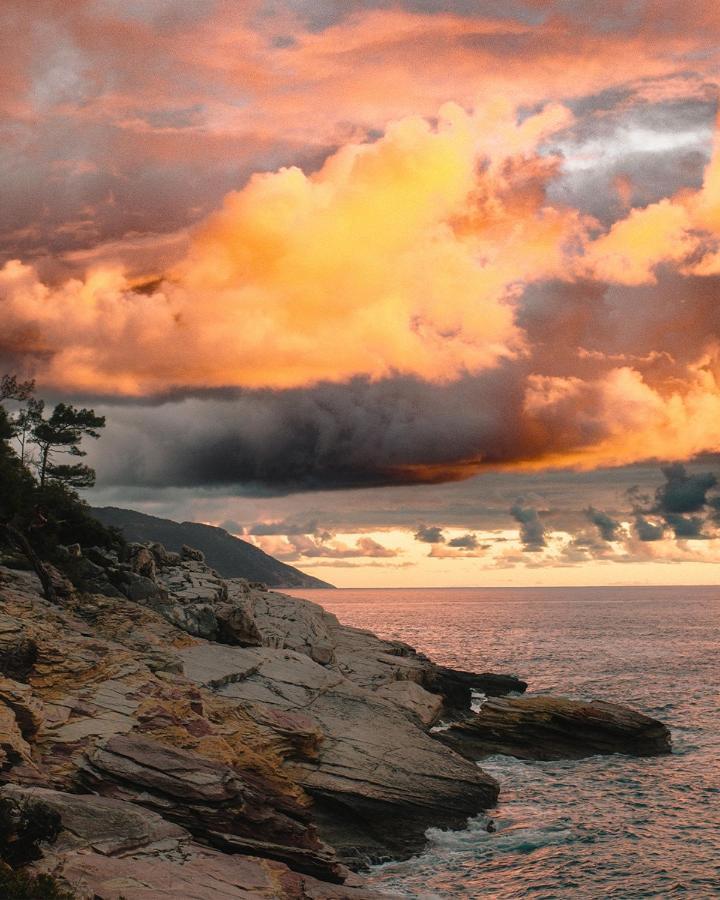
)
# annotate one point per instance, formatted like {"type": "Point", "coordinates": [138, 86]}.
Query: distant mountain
{"type": "Point", "coordinates": [230, 556]}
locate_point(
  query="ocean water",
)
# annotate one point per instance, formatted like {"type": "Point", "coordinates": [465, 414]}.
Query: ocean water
{"type": "Point", "coordinates": [605, 827]}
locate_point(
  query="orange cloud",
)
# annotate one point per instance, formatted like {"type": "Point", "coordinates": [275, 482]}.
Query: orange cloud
{"type": "Point", "coordinates": [400, 256]}
{"type": "Point", "coordinates": [407, 256]}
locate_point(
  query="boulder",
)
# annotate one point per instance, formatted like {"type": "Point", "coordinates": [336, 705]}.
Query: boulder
{"type": "Point", "coordinates": [236, 625]}
{"type": "Point", "coordinates": [142, 560]}
{"type": "Point", "coordinates": [546, 728]}
{"type": "Point", "coordinates": [190, 553]}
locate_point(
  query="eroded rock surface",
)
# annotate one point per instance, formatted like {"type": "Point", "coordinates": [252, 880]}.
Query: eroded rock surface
{"type": "Point", "coordinates": [556, 728]}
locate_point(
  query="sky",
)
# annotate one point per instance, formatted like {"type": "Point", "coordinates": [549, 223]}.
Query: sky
{"type": "Point", "coordinates": [405, 292]}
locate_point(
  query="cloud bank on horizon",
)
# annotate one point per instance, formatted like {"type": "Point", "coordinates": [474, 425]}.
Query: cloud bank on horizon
{"type": "Point", "coordinates": [318, 245]}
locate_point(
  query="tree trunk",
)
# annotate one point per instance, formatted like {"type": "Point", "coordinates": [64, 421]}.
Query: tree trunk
{"type": "Point", "coordinates": [17, 539]}
{"type": "Point", "coordinates": [43, 466]}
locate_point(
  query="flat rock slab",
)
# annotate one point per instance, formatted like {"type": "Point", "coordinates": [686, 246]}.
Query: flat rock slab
{"type": "Point", "coordinates": [546, 728]}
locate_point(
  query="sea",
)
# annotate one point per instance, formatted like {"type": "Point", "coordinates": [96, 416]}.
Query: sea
{"type": "Point", "coordinates": [603, 827]}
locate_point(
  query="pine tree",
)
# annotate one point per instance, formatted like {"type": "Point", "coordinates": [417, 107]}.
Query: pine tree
{"type": "Point", "coordinates": [62, 432]}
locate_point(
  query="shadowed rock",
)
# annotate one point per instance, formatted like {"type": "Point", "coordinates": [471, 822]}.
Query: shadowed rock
{"type": "Point", "coordinates": [105, 848]}
{"type": "Point", "coordinates": [545, 728]}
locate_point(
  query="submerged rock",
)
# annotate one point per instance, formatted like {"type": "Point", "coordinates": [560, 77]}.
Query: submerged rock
{"type": "Point", "coordinates": [546, 728]}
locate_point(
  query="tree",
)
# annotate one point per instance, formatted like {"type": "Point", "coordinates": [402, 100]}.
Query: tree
{"type": "Point", "coordinates": [62, 433]}
{"type": "Point", "coordinates": [24, 421]}
{"type": "Point", "coordinates": [12, 389]}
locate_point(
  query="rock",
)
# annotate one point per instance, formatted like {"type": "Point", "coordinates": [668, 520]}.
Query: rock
{"type": "Point", "coordinates": [421, 706]}
{"type": "Point", "coordinates": [378, 780]}
{"type": "Point", "coordinates": [458, 686]}
{"type": "Point", "coordinates": [14, 749]}
{"type": "Point", "coordinates": [141, 589]}
{"type": "Point", "coordinates": [102, 557]}
{"type": "Point", "coordinates": [546, 728]}
{"type": "Point", "coordinates": [234, 811]}
{"type": "Point", "coordinates": [190, 553]}
{"type": "Point", "coordinates": [103, 849]}
{"type": "Point", "coordinates": [142, 560]}
{"type": "Point", "coordinates": [25, 706]}
{"type": "Point", "coordinates": [18, 652]}
{"type": "Point", "coordinates": [236, 625]}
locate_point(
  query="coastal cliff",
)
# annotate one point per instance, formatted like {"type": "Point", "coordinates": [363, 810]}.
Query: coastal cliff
{"type": "Point", "coordinates": [165, 732]}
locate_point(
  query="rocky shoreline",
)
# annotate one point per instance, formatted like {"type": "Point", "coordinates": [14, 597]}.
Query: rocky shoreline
{"type": "Point", "coordinates": [165, 733]}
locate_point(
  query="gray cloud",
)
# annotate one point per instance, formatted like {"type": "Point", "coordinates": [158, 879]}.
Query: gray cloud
{"type": "Point", "coordinates": [608, 527]}
{"type": "Point", "coordinates": [532, 529]}
{"type": "Point", "coordinates": [467, 541]}
{"type": "Point", "coordinates": [283, 526]}
{"type": "Point", "coordinates": [683, 493]}
{"type": "Point", "coordinates": [430, 534]}
{"type": "Point", "coordinates": [314, 548]}
{"type": "Point", "coordinates": [686, 527]}
{"type": "Point", "coordinates": [647, 530]}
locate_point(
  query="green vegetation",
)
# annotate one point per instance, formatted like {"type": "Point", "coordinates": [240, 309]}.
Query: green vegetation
{"type": "Point", "coordinates": [39, 506]}
{"type": "Point", "coordinates": [19, 885]}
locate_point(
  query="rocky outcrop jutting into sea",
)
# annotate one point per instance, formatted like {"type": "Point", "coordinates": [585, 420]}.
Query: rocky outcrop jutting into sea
{"type": "Point", "coordinates": [547, 728]}
{"type": "Point", "coordinates": [167, 733]}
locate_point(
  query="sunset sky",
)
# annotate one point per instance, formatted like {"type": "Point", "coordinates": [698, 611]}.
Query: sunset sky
{"type": "Point", "coordinates": [406, 292]}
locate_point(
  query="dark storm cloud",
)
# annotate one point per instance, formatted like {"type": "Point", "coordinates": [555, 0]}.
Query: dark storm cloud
{"type": "Point", "coordinates": [532, 529]}
{"type": "Point", "coordinates": [430, 534]}
{"type": "Point", "coordinates": [647, 530]}
{"type": "Point", "coordinates": [686, 527]}
{"type": "Point", "coordinates": [331, 436]}
{"type": "Point", "coordinates": [682, 492]}
{"type": "Point", "coordinates": [608, 527]}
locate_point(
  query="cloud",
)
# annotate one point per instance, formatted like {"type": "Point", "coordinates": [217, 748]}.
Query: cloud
{"type": "Point", "coordinates": [430, 534]}
{"type": "Point", "coordinates": [292, 260]}
{"type": "Point", "coordinates": [532, 530]}
{"type": "Point", "coordinates": [682, 492]}
{"type": "Point", "coordinates": [467, 541]}
{"type": "Point", "coordinates": [283, 526]}
{"type": "Point", "coordinates": [294, 547]}
{"type": "Point", "coordinates": [608, 527]}
{"type": "Point", "coordinates": [647, 530]}
{"type": "Point", "coordinates": [686, 527]}
{"type": "Point", "coordinates": [389, 297]}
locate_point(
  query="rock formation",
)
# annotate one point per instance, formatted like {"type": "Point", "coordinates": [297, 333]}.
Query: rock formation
{"type": "Point", "coordinates": [165, 732]}
{"type": "Point", "coordinates": [250, 730]}
{"type": "Point", "coordinates": [556, 728]}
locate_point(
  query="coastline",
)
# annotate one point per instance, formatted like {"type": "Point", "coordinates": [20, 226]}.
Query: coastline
{"type": "Point", "coordinates": [253, 722]}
